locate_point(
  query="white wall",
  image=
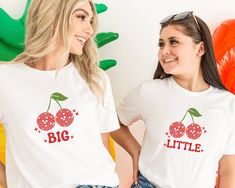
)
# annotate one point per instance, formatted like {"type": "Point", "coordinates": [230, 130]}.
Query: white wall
{"type": "Point", "coordinates": [137, 24]}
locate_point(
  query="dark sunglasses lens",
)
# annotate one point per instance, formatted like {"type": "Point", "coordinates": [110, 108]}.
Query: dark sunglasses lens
{"type": "Point", "coordinates": [182, 15]}
{"type": "Point", "coordinates": [166, 19]}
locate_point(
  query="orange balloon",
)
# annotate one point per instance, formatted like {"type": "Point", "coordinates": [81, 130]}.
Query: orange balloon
{"type": "Point", "coordinates": [224, 46]}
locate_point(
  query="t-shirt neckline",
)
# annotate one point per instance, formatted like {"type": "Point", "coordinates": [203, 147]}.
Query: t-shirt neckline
{"type": "Point", "coordinates": [188, 92]}
{"type": "Point", "coordinates": [38, 71]}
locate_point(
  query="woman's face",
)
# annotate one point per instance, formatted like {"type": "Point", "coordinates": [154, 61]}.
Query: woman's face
{"type": "Point", "coordinates": [178, 54]}
{"type": "Point", "coordinates": [81, 28]}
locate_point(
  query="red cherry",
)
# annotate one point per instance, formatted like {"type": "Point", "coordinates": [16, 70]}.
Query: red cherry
{"type": "Point", "coordinates": [64, 117]}
{"type": "Point", "coordinates": [194, 131]}
{"type": "Point", "coordinates": [177, 129]}
{"type": "Point", "coordinates": [46, 121]}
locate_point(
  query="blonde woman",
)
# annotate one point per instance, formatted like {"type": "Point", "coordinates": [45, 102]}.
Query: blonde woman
{"type": "Point", "coordinates": [56, 104]}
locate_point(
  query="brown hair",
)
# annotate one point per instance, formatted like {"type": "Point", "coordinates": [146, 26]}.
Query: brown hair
{"type": "Point", "coordinates": [208, 63]}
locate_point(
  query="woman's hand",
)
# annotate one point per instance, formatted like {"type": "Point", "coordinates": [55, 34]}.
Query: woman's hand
{"type": "Point", "coordinates": [3, 181]}
{"type": "Point", "coordinates": [135, 161]}
{"type": "Point", "coordinates": [125, 139]}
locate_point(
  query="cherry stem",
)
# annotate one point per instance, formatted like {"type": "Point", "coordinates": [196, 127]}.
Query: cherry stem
{"type": "Point", "coordinates": [184, 116]}
{"type": "Point", "coordinates": [49, 105]}
{"type": "Point", "coordinates": [192, 118]}
{"type": "Point", "coordinates": [58, 103]}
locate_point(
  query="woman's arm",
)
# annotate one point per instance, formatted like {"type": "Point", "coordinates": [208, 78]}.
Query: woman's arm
{"type": "Point", "coordinates": [3, 180]}
{"type": "Point", "coordinates": [125, 139]}
{"type": "Point", "coordinates": [226, 172]}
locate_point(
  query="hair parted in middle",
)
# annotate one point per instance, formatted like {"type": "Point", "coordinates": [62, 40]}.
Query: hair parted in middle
{"type": "Point", "coordinates": [47, 27]}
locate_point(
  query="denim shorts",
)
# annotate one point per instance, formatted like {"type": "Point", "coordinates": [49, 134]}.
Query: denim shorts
{"type": "Point", "coordinates": [94, 186]}
{"type": "Point", "coordinates": [143, 183]}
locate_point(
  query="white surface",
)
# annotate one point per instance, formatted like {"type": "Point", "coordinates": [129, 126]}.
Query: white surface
{"type": "Point", "coordinates": [137, 23]}
{"type": "Point", "coordinates": [15, 8]}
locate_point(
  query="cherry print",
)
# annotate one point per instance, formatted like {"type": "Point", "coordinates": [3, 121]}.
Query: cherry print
{"type": "Point", "coordinates": [64, 117]}
{"type": "Point", "coordinates": [177, 129]}
{"type": "Point", "coordinates": [194, 131]}
{"type": "Point", "coordinates": [46, 121]}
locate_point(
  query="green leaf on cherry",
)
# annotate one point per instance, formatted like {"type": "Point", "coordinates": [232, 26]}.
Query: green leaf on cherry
{"type": "Point", "coordinates": [194, 112]}
{"type": "Point", "coordinates": [58, 96]}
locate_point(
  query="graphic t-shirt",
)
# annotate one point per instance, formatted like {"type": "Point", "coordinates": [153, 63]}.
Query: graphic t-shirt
{"type": "Point", "coordinates": [53, 126]}
{"type": "Point", "coordinates": [186, 132]}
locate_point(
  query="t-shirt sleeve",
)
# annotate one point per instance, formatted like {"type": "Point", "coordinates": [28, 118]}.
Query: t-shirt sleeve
{"type": "Point", "coordinates": [108, 115]}
{"type": "Point", "coordinates": [129, 110]}
{"type": "Point", "coordinates": [230, 148]}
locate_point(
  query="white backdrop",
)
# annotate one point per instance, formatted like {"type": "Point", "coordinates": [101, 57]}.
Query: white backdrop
{"type": "Point", "coordinates": [135, 50]}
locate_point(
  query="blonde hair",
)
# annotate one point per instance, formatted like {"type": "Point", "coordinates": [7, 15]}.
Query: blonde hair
{"type": "Point", "coordinates": [47, 27]}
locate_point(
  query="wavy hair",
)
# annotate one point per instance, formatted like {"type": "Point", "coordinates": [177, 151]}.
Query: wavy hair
{"type": "Point", "coordinates": [47, 27]}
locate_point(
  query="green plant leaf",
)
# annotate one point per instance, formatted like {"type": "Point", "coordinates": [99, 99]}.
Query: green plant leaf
{"type": "Point", "coordinates": [194, 112]}
{"type": "Point", "coordinates": [105, 37]}
{"type": "Point", "coordinates": [8, 53]}
{"type": "Point", "coordinates": [12, 34]}
{"type": "Point", "coordinates": [100, 8]}
{"type": "Point", "coordinates": [58, 96]}
{"type": "Point", "coordinates": [12, 31]}
{"type": "Point", "coordinates": [23, 17]}
{"type": "Point", "coordinates": [107, 64]}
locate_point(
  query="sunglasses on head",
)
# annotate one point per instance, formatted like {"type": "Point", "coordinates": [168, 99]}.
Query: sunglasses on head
{"type": "Point", "coordinates": [180, 16]}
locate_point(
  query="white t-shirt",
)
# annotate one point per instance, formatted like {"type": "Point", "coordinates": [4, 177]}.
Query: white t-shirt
{"type": "Point", "coordinates": [53, 128]}
{"type": "Point", "coordinates": [186, 132]}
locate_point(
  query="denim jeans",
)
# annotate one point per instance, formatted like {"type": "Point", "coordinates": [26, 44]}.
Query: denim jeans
{"type": "Point", "coordinates": [143, 183]}
{"type": "Point", "coordinates": [94, 186]}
